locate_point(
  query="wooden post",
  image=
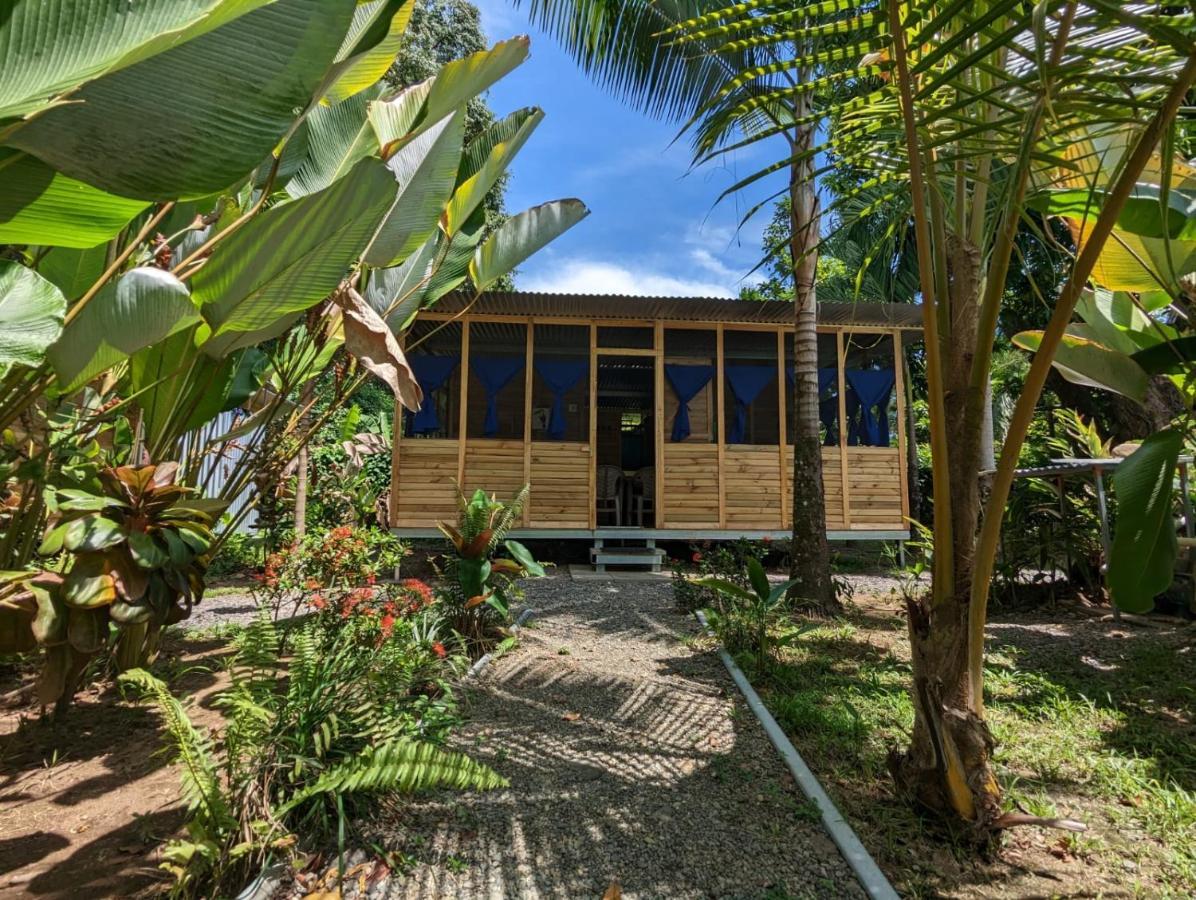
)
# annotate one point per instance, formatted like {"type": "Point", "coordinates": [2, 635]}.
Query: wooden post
{"type": "Point", "coordinates": [463, 399]}
{"type": "Point", "coordinates": [392, 506]}
{"type": "Point", "coordinates": [658, 427]}
{"type": "Point", "coordinates": [528, 376]}
{"type": "Point", "coordinates": [593, 513]}
{"type": "Point", "coordinates": [902, 468]}
{"type": "Point", "coordinates": [845, 486]}
{"type": "Point", "coordinates": [722, 423]}
{"type": "Point", "coordinates": [783, 424]}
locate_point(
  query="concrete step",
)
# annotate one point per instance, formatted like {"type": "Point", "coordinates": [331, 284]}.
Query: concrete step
{"type": "Point", "coordinates": [651, 557]}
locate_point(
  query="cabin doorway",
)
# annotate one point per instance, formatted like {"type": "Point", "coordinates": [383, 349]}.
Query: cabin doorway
{"type": "Point", "coordinates": [626, 441]}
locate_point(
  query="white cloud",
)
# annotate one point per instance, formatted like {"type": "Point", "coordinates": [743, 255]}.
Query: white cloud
{"type": "Point", "coordinates": [592, 276]}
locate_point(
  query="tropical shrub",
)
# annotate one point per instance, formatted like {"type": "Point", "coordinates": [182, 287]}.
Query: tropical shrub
{"type": "Point", "coordinates": [754, 619]}
{"type": "Point", "coordinates": [480, 586]}
{"type": "Point", "coordinates": [305, 740]}
{"type": "Point", "coordinates": [326, 566]}
{"type": "Point", "coordinates": [240, 554]}
{"type": "Point", "coordinates": [128, 553]}
{"type": "Point", "coordinates": [727, 560]}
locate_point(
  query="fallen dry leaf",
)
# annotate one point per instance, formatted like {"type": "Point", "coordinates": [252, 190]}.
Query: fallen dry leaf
{"type": "Point", "coordinates": [614, 892]}
{"type": "Point", "coordinates": [571, 716]}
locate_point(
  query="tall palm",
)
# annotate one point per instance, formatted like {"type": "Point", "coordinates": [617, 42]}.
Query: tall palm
{"type": "Point", "coordinates": [620, 43]}
{"type": "Point", "coordinates": [971, 110]}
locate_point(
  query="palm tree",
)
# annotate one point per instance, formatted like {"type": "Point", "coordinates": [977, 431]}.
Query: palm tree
{"type": "Point", "coordinates": [971, 111]}
{"type": "Point", "coordinates": [619, 42]}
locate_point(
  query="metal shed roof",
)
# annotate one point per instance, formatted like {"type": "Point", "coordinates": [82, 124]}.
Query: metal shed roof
{"type": "Point", "coordinates": [679, 309]}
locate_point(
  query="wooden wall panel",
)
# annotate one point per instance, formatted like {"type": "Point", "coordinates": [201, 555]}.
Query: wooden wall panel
{"type": "Point", "coordinates": [832, 486]}
{"type": "Point", "coordinates": [425, 484]}
{"type": "Point", "coordinates": [875, 476]}
{"type": "Point", "coordinates": [495, 466]}
{"type": "Point", "coordinates": [560, 496]}
{"type": "Point", "coordinates": [690, 485]}
{"type": "Point", "coordinates": [753, 487]}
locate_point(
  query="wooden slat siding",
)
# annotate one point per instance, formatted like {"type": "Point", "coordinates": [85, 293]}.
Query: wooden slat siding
{"type": "Point", "coordinates": [832, 486]}
{"type": "Point", "coordinates": [753, 487]}
{"type": "Point", "coordinates": [425, 489]}
{"type": "Point", "coordinates": [785, 473]}
{"type": "Point", "coordinates": [560, 485]}
{"type": "Point", "coordinates": [463, 400]}
{"type": "Point", "coordinates": [719, 405]}
{"type": "Point", "coordinates": [841, 356]}
{"type": "Point", "coordinates": [527, 422]}
{"type": "Point", "coordinates": [690, 477]}
{"type": "Point", "coordinates": [593, 459]}
{"type": "Point", "coordinates": [658, 425]}
{"type": "Point", "coordinates": [495, 466]}
{"type": "Point", "coordinates": [875, 488]}
{"type": "Point", "coordinates": [902, 447]}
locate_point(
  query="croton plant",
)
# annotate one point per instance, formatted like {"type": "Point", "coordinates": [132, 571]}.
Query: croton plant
{"type": "Point", "coordinates": [131, 555]}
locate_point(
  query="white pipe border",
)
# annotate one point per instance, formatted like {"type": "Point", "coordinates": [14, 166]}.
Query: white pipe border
{"type": "Point", "coordinates": [866, 870]}
{"type": "Point", "coordinates": [476, 669]}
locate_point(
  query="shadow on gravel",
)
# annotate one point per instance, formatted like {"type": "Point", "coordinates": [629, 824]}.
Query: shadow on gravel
{"type": "Point", "coordinates": [627, 761]}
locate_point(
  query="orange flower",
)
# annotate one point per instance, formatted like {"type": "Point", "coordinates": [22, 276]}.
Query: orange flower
{"type": "Point", "coordinates": [438, 649]}
{"type": "Point", "coordinates": [318, 602]}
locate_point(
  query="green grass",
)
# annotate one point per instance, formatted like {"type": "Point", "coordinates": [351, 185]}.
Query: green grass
{"type": "Point", "coordinates": [1102, 735]}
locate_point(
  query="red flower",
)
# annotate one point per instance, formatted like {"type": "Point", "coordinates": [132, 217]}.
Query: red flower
{"type": "Point", "coordinates": [438, 649]}
{"type": "Point", "coordinates": [425, 593]}
{"type": "Point", "coordinates": [387, 624]}
{"type": "Point", "coordinates": [318, 602]}
{"type": "Point", "coordinates": [697, 557]}
{"type": "Point", "coordinates": [767, 539]}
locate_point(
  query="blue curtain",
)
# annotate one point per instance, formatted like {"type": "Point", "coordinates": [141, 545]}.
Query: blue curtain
{"type": "Point", "coordinates": [431, 372]}
{"type": "Point", "coordinates": [873, 389]}
{"type": "Point", "coordinates": [561, 376]}
{"type": "Point", "coordinates": [686, 382]}
{"type": "Point", "coordinates": [495, 373]}
{"type": "Point", "coordinates": [746, 384]}
{"type": "Point", "coordinates": [828, 410]}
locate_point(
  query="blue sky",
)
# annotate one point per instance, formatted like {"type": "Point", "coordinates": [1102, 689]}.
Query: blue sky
{"type": "Point", "coordinates": [654, 227]}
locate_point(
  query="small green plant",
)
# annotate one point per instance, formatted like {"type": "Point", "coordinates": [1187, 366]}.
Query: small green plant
{"type": "Point", "coordinates": [344, 716]}
{"type": "Point", "coordinates": [482, 585]}
{"type": "Point", "coordinates": [751, 620]}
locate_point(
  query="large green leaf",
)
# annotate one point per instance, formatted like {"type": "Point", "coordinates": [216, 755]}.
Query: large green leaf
{"type": "Point", "coordinates": [31, 313]}
{"type": "Point", "coordinates": [397, 293]}
{"type": "Point", "coordinates": [426, 170]}
{"type": "Point", "coordinates": [142, 307]}
{"type": "Point", "coordinates": [488, 156]}
{"type": "Point", "coordinates": [421, 106]}
{"type": "Point", "coordinates": [290, 257]}
{"type": "Point", "coordinates": [1082, 360]}
{"type": "Point", "coordinates": [44, 207]}
{"type": "Point", "coordinates": [199, 116]}
{"type": "Point", "coordinates": [72, 270]}
{"type": "Point", "coordinates": [520, 236]}
{"type": "Point", "coordinates": [1142, 559]}
{"type": "Point", "coordinates": [50, 47]}
{"type": "Point", "coordinates": [1142, 214]}
{"type": "Point", "coordinates": [370, 47]}
{"type": "Point", "coordinates": [337, 138]}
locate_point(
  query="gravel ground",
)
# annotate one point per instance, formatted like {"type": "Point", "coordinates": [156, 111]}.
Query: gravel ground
{"type": "Point", "coordinates": [631, 758]}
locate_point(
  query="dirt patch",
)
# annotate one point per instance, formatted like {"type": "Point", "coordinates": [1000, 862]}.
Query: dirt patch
{"type": "Point", "coordinates": [86, 803]}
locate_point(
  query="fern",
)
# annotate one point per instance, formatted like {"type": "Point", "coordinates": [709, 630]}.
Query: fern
{"type": "Point", "coordinates": [403, 766]}
{"type": "Point", "coordinates": [192, 748]}
{"type": "Point", "coordinates": [509, 516]}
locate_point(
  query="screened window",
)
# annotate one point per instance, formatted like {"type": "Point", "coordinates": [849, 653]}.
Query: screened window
{"type": "Point", "coordinates": [871, 386]}
{"type": "Point", "coordinates": [434, 353]}
{"type": "Point", "coordinates": [828, 389]}
{"type": "Point", "coordinates": [690, 412]}
{"type": "Point", "coordinates": [751, 398]}
{"type": "Point", "coordinates": [497, 365]}
{"type": "Point", "coordinates": [561, 383]}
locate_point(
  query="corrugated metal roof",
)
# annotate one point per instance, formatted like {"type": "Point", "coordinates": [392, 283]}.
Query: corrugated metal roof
{"type": "Point", "coordinates": [679, 309]}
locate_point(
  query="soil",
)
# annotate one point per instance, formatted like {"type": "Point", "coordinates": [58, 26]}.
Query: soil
{"type": "Point", "coordinates": [87, 803]}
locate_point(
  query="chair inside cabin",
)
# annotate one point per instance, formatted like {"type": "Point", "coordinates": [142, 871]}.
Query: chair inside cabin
{"type": "Point", "coordinates": [643, 495]}
{"type": "Point", "coordinates": [609, 494]}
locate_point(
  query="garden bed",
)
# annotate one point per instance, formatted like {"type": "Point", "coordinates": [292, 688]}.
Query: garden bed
{"type": "Point", "coordinates": [1093, 720]}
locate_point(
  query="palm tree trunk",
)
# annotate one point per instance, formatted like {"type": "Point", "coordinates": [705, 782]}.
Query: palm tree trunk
{"type": "Point", "coordinates": [810, 559]}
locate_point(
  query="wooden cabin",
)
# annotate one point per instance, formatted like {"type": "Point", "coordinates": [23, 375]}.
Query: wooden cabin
{"type": "Point", "coordinates": [650, 417]}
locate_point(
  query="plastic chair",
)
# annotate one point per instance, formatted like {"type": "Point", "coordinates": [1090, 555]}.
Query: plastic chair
{"type": "Point", "coordinates": [609, 490]}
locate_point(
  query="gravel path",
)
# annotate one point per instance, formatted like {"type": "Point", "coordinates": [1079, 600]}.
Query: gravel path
{"type": "Point", "coordinates": [631, 758]}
